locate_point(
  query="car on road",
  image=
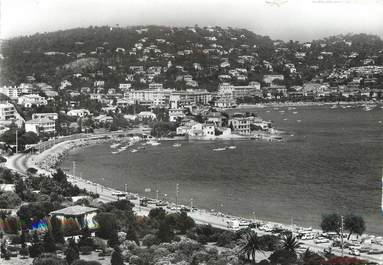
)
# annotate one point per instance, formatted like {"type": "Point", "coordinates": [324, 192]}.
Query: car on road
{"type": "Point", "coordinates": [307, 237]}
{"type": "Point", "coordinates": [321, 240]}
{"type": "Point", "coordinates": [354, 252]}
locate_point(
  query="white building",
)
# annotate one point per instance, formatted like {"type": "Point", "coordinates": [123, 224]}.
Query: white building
{"type": "Point", "coordinates": [38, 126]}
{"type": "Point", "coordinates": [227, 90]}
{"type": "Point", "coordinates": [7, 112]}
{"type": "Point", "coordinates": [11, 91]}
{"type": "Point", "coordinates": [32, 99]}
{"type": "Point", "coordinates": [146, 115]}
{"type": "Point", "coordinates": [78, 113]}
{"type": "Point", "coordinates": [53, 116]}
{"type": "Point", "coordinates": [149, 97]}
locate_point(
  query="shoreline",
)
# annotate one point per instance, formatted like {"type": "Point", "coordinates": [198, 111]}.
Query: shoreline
{"type": "Point", "coordinates": [301, 104]}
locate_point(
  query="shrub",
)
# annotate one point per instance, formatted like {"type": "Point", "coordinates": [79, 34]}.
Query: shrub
{"type": "Point", "coordinates": [48, 259]}
{"type": "Point", "coordinates": [24, 252]}
{"type": "Point", "coordinates": [150, 240]}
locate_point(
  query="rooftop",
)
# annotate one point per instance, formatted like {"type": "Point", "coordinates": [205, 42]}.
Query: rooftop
{"type": "Point", "coordinates": [74, 210]}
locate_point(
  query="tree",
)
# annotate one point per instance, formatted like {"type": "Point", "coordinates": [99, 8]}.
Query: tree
{"type": "Point", "coordinates": [165, 232]}
{"type": "Point", "coordinates": [36, 248]}
{"type": "Point", "coordinates": [106, 224]}
{"type": "Point", "coordinates": [250, 244]}
{"type": "Point", "coordinates": [116, 257]}
{"type": "Point", "coordinates": [157, 213]}
{"type": "Point", "coordinates": [57, 232]}
{"type": "Point", "coordinates": [113, 239]}
{"type": "Point", "coordinates": [132, 235]}
{"type": "Point", "coordinates": [184, 222]}
{"type": "Point", "coordinates": [331, 223]}
{"type": "Point", "coordinates": [72, 252]}
{"type": "Point", "coordinates": [59, 176]}
{"type": "Point", "coordinates": [290, 243]}
{"type": "Point", "coordinates": [49, 243]}
{"type": "Point", "coordinates": [354, 224]}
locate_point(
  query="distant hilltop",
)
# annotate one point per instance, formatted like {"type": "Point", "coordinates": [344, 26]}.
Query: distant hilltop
{"type": "Point", "coordinates": [108, 53]}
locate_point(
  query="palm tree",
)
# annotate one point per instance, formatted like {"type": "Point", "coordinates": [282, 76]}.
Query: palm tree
{"type": "Point", "coordinates": [250, 244]}
{"type": "Point", "coordinates": [290, 243]}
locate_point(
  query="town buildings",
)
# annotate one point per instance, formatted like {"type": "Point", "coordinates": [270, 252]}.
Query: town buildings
{"type": "Point", "coordinates": [41, 126]}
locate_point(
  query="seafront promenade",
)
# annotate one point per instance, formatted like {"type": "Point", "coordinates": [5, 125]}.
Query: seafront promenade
{"type": "Point", "coordinates": [21, 162]}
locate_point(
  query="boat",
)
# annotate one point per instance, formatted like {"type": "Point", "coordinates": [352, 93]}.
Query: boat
{"type": "Point", "coordinates": [153, 143]}
{"type": "Point", "coordinates": [219, 149]}
{"type": "Point", "coordinates": [134, 150]}
{"type": "Point", "coordinates": [295, 112]}
{"type": "Point", "coordinates": [285, 119]}
{"type": "Point", "coordinates": [123, 148]}
{"type": "Point", "coordinates": [115, 145]}
{"type": "Point", "coordinates": [176, 145]}
{"type": "Point", "coordinates": [298, 120]}
{"type": "Point", "coordinates": [334, 107]}
{"type": "Point", "coordinates": [232, 147]}
{"type": "Point", "coordinates": [115, 152]}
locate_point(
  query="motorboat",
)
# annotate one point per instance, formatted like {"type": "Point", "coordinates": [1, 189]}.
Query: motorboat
{"type": "Point", "coordinates": [219, 149]}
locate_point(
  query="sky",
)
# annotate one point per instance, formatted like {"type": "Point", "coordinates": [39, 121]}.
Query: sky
{"type": "Point", "coordinates": [301, 20]}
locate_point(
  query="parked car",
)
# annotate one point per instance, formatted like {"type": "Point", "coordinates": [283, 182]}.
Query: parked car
{"type": "Point", "coordinates": [307, 237]}
{"type": "Point", "coordinates": [321, 240]}
{"type": "Point", "coordinates": [354, 252]}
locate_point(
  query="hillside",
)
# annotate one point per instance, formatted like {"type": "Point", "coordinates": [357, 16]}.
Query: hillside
{"type": "Point", "coordinates": [108, 53]}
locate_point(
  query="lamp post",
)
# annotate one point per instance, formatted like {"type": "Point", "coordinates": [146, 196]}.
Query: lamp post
{"type": "Point", "coordinates": [17, 142]}
{"type": "Point", "coordinates": [177, 193]}
{"type": "Point", "coordinates": [341, 232]}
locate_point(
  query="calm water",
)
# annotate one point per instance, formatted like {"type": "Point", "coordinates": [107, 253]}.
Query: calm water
{"type": "Point", "coordinates": [331, 162]}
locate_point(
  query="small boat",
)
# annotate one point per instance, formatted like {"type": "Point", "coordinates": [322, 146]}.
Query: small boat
{"type": "Point", "coordinates": [232, 147]}
{"type": "Point", "coordinates": [334, 107]}
{"type": "Point", "coordinates": [298, 120]}
{"type": "Point", "coordinates": [219, 149]}
{"type": "Point", "coordinates": [153, 143]}
{"type": "Point", "coordinates": [134, 150]}
{"type": "Point", "coordinates": [140, 148]}
{"type": "Point", "coordinates": [285, 119]}
{"type": "Point", "coordinates": [115, 145]}
{"type": "Point", "coordinates": [176, 145]}
{"type": "Point", "coordinates": [115, 152]}
{"type": "Point", "coordinates": [123, 148]}
{"type": "Point", "coordinates": [295, 112]}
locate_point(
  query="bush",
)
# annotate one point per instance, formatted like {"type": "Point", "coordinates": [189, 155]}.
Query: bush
{"type": "Point", "coordinates": [48, 259]}
{"type": "Point", "coordinates": [9, 200]}
{"type": "Point", "coordinates": [150, 240]}
{"type": "Point", "coordinates": [86, 250]}
{"type": "Point", "coordinates": [24, 252]}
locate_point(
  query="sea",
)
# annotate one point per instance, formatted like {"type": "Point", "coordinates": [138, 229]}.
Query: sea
{"type": "Point", "coordinates": [330, 161]}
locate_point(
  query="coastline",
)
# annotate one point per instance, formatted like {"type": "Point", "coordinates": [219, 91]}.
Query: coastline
{"type": "Point", "coordinates": [301, 104]}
